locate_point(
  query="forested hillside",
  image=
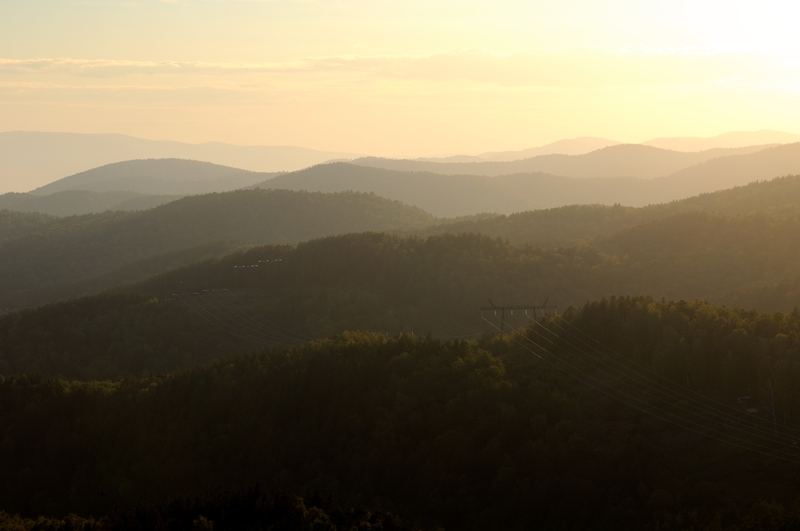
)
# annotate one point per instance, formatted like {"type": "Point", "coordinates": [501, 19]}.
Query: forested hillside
{"type": "Point", "coordinates": [347, 348]}
{"type": "Point", "coordinates": [83, 254]}
{"type": "Point", "coordinates": [382, 282]}
{"type": "Point", "coordinates": [502, 433]}
{"type": "Point", "coordinates": [279, 295]}
{"type": "Point", "coordinates": [738, 170]}
{"type": "Point", "coordinates": [463, 195]}
{"type": "Point", "coordinates": [581, 224]}
{"type": "Point", "coordinates": [109, 337]}
{"type": "Point", "coordinates": [77, 202]}
{"type": "Point", "coordinates": [18, 224]}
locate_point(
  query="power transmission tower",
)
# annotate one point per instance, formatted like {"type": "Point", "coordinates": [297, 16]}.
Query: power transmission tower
{"type": "Point", "coordinates": [525, 307]}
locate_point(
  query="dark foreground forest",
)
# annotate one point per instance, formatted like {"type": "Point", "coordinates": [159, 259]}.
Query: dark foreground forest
{"type": "Point", "coordinates": [620, 415]}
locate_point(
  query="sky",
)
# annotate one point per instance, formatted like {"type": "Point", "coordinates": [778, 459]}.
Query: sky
{"type": "Point", "coordinates": [399, 78]}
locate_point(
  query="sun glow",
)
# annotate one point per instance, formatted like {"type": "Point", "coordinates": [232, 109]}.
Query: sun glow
{"type": "Point", "coordinates": [398, 78]}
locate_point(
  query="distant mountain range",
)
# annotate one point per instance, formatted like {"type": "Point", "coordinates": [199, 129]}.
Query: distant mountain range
{"type": "Point", "coordinates": [572, 146]}
{"type": "Point", "coordinates": [733, 139]}
{"type": "Point", "coordinates": [623, 160]}
{"type": "Point", "coordinates": [582, 145]}
{"type": "Point", "coordinates": [435, 187]}
{"type": "Point", "coordinates": [32, 159]}
{"type": "Point", "coordinates": [460, 195]}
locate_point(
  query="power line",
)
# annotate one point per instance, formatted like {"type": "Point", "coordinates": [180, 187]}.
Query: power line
{"type": "Point", "coordinates": [683, 391]}
{"type": "Point", "coordinates": [647, 409]}
{"type": "Point", "coordinates": [663, 396]}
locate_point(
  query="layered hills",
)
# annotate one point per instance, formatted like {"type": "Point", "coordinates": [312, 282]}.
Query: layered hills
{"type": "Point", "coordinates": [443, 191]}
{"type": "Point", "coordinates": [732, 139]}
{"type": "Point", "coordinates": [30, 159]}
{"type": "Point", "coordinates": [50, 259]}
{"type": "Point", "coordinates": [582, 145]}
{"type": "Point", "coordinates": [45, 259]}
{"type": "Point", "coordinates": [77, 202]}
{"type": "Point", "coordinates": [581, 224]}
{"type": "Point", "coordinates": [623, 160]}
{"type": "Point", "coordinates": [460, 195]}
{"type": "Point", "coordinates": [572, 146]}
{"type": "Point", "coordinates": [735, 247]}
{"type": "Point", "coordinates": [220, 370]}
{"type": "Point", "coordinates": [157, 176]}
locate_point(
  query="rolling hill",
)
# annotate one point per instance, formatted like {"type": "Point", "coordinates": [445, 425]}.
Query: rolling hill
{"type": "Point", "coordinates": [176, 264]}
{"type": "Point", "coordinates": [77, 202]}
{"type": "Point", "coordinates": [623, 160]}
{"type": "Point", "coordinates": [581, 145]}
{"type": "Point", "coordinates": [463, 195]}
{"type": "Point", "coordinates": [735, 170]}
{"type": "Point", "coordinates": [157, 176]}
{"type": "Point", "coordinates": [732, 139]}
{"type": "Point", "coordinates": [572, 146]}
{"type": "Point", "coordinates": [17, 224]}
{"type": "Point", "coordinates": [83, 254]}
{"type": "Point", "coordinates": [30, 159]}
{"type": "Point", "coordinates": [442, 195]}
{"type": "Point", "coordinates": [284, 295]}
{"type": "Point", "coordinates": [733, 247]}
{"type": "Point", "coordinates": [581, 224]}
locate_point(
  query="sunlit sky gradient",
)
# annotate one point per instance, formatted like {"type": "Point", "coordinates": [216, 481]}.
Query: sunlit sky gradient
{"type": "Point", "coordinates": [399, 78]}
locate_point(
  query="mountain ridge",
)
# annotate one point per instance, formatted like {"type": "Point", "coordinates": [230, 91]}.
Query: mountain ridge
{"type": "Point", "coordinates": [622, 160]}
{"type": "Point", "coordinates": [31, 159]}
{"type": "Point", "coordinates": [462, 195]}
{"type": "Point", "coordinates": [157, 177]}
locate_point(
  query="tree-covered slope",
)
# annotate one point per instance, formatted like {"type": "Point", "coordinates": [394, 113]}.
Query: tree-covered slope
{"type": "Point", "coordinates": [108, 337]}
{"type": "Point", "coordinates": [497, 433]}
{"type": "Point", "coordinates": [576, 224]}
{"type": "Point", "coordinates": [77, 202]}
{"type": "Point", "coordinates": [17, 224]}
{"type": "Point", "coordinates": [278, 295]}
{"type": "Point", "coordinates": [52, 262]}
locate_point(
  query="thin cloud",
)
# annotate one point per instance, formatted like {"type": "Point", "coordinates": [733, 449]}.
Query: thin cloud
{"type": "Point", "coordinates": [534, 68]}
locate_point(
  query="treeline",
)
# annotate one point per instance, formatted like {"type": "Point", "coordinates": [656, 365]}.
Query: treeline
{"type": "Point", "coordinates": [466, 434]}
{"type": "Point", "coordinates": [253, 508]}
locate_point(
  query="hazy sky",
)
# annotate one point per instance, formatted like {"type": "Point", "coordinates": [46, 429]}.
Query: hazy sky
{"type": "Point", "coordinates": [399, 78]}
